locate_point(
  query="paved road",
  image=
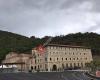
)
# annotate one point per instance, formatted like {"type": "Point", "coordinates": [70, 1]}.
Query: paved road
{"type": "Point", "coordinates": [44, 76]}
{"type": "Point", "coordinates": [75, 76]}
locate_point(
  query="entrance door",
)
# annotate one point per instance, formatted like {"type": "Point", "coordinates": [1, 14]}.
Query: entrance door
{"type": "Point", "coordinates": [54, 68]}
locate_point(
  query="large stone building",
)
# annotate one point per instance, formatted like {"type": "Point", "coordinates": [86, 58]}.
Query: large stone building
{"type": "Point", "coordinates": [55, 58]}
{"type": "Point", "coordinates": [58, 57]}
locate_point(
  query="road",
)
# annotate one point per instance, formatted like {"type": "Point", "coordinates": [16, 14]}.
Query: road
{"type": "Point", "coordinates": [44, 76]}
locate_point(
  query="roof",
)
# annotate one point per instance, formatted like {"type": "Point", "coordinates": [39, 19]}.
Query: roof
{"type": "Point", "coordinates": [70, 46]}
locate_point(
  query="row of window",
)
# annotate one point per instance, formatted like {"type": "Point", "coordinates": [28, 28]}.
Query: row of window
{"type": "Point", "coordinates": [72, 64]}
{"type": "Point", "coordinates": [67, 53]}
{"type": "Point", "coordinates": [66, 48]}
{"type": "Point", "coordinates": [63, 66]}
{"type": "Point", "coordinates": [69, 59]}
{"type": "Point", "coordinates": [38, 60]}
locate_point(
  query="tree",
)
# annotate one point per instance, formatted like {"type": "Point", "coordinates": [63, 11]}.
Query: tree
{"type": "Point", "coordinates": [93, 65]}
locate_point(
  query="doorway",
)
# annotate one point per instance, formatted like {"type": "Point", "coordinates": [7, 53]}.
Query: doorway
{"type": "Point", "coordinates": [54, 68]}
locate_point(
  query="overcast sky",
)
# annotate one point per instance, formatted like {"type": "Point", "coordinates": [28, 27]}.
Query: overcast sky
{"type": "Point", "coordinates": [49, 17]}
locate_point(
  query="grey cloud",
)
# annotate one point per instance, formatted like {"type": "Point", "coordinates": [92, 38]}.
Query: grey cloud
{"type": "Point", "coordinates": [93, 28]}
{"type": "Point", "coordinates": [40, 17]}
{"type": "Point", "coordinates": [71, 3]}
{"type": "Point", "coordinates": [51, 4]}
{"type": "Point", "coordinates": [96, 5]}
{"type": "Point", "coordinates": [14, 5]}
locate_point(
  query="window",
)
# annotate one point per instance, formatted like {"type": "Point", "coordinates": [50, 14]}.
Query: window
{"type": "Point", "coordinates": [82, 64]}
{"type": "Point", "coordinates": [40, 60]}
{"type": "Point", "coordinates": [78, 64]}
{"type": "Point", "coordinates": [53, 52]}
{"type": "Point", "coordinates": [74, 64]}
{"type": "Point", "coordinates": [70, 64]}
{"type": "Point", "coordinates": [66, 58]}
{"type": "Point", "coordinates": [40, 66]}
{"type": "Point", "coordinates": [85, 58]}
{"type": "Point", "coordinates": [63, 65]}
{"type": "Point", "coordinates": [73, 58]}
{"type": "Point", "coordinates": [50, 59]}
{"type": "Point", "coordinates": [35, 67]}
{"type": "Point", "coordinates": [62, 59]}
{"type": "Point", "coordinates": [45, 59]}
{"type": "Point", "coordinates": [70, 58]}
{"type": "Point", "coordinates": [66, 65]}
{"type": "Point", "coordinates": [57, 59]}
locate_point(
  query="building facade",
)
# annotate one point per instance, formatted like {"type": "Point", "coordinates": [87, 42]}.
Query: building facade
{"type": "Point", "coordinates": [22, 61]}
{"type": "Point", "coordinates": [39, 60]}
{"type": "Point", "coordinates": [59, 57]}
{"type": "Point", "coordinates": [55, 58]}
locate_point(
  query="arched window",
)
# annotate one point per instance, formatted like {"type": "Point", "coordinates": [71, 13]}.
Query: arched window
{"type": "Point", "coordinates": [70, 64]}
{"type": "Point", "coordinates": [81, 64]}
{"type": "Point", "coordinates": [31, 67]}
{"type": "Point", "coordinates": [78, 64]}
{"type": "Point", "coordinates": [35, 67]}
{"type": "Point", "coordinates": [74, 65]}
{"type": "Point", "coordinates": [66, 65]}
{"type": "Point", "coordinates": [62, 65]}
{"type": "Point", "coordinates": [38, 66]}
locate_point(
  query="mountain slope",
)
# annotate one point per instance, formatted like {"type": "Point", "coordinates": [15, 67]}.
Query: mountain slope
{"type": "Point", "coordinates": [13, 42]}
{"type": "Point", "coordinates": [91, 40]}
{"type": "Point", "coordinates": [18, 43]}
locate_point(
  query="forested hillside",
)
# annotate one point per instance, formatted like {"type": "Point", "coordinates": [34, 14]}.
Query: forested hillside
{"type": "Point", "coordinates": [13, 42]}
{"type": "Point", "coordinates": [91, 40]}
{"type": "Point", "coordinates": [18, 43]}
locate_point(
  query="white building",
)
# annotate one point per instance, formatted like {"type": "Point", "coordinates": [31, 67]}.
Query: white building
{"type": "Point", "coordinates": [58, 57]}
{"type": "Point", "coordinates": [55, 58]}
